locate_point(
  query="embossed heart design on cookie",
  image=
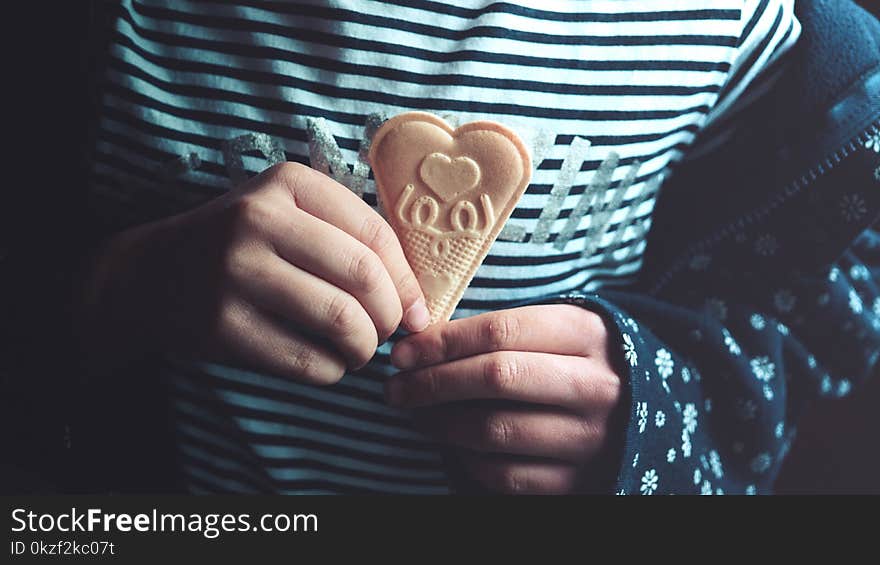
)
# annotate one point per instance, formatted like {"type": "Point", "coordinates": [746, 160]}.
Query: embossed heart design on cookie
{"type": "Point", "coordinates": [434, 285]}
{"type": "Point", "coordinates": [449, 177]}
{"type": "Point", "coordinates": [447, 193]}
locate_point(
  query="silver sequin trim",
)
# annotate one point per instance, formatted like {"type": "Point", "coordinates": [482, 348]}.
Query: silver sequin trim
{"type": "Point", "coordinates": [577, 154]}
{"type": "Point", "coordinates": [596, 190]}
{"type": "Point", "coordinates": [233, 150]}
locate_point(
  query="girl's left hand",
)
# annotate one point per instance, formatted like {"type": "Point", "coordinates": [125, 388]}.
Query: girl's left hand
{"type": "Point", "coordinates": [553, 388]}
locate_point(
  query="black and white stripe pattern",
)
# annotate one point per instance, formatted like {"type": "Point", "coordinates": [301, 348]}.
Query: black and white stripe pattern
{"type": "Point", "coordinates": [633, 81]}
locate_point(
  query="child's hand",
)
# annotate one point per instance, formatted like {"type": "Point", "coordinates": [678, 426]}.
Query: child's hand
{"type": "Point", "coordinates": [291, 274]}
{"type": "Point", "coordinates": [549, 360]}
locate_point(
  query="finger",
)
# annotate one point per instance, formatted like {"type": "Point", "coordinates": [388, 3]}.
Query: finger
{"type": "Point", "coordinates": [552, 328]}
{"type": "Point", "coordinates": [328, 200]}
{"type": "Point", "coordinates": [253, 339]}
{"type": "Point", "coordinates": [578, 384]}
{"type": "Point", "coordinates": [530, 431]}
{"type": "Point", "coordinates": [309, 304]}
{"type": "Point", "coordinates": [516, 476]}
{"type": "Point", "coordinates": [333, 255]}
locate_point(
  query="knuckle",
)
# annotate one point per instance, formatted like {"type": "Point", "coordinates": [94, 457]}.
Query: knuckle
{"type": "Point", "coordinates": [231, 264]}
{"type": "Point", "coordinates": [305, 362]}
{"type": "Point", "coordinates": [307, 365]}
{"type": "Point", "coordinates": [289, 172]}
{"type": "Point", "coordinates": [341, 314]}
{"type": "Point", "coordinates": [261, 270]}
{"type": "Point", "coordinates": [312, 366]}
{"type": "Point", "coordinates": [226, 319]}
{"type": "Point", "coordinates": [501, 331]}
{"type": "Point", "coordinates": [596, 326]}
{"type": "Point", "coordinates": [498, 431]}
{"type": "Point", "coordinates": [510, 480]}
{"type": "Point", "coordinates": [583, 388]}
{"type": "Point", "coordinates": [441, 342]}
{"type": "Point", "coordinates": [251, 211]}
{"type": "Point", "coordinates": [599, 390]}
{"type": "Point", "coordinates": [423, 386]}
{"type": "Point", "coordinates": [589, 436]}
{"type": "Point", "coordinates": [589, 440]}
{"type": "Point", "coordinates": [365, 272]}
{"type": "Point", "coordinates": [429, 383]}
{"type": "Point", "coordinates": [500, 374]}
{"type": "Point", "coordinates": [344, 324]}
{"type": "Point", "coordinates": [291, 176]}
{"type": "Point", "coordinates": [409, 285]}
{"type": "Point", "coordinates": [376, 233]}
{"type": "Point", "coordinates": [608, 389]}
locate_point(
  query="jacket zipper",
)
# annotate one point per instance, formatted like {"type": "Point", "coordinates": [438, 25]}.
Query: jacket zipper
{"type": "Point", "coordinates": [811, 175]}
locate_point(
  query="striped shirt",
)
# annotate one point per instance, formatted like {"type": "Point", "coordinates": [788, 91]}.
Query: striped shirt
{"type": "Point", "coordinates": [607, 94]}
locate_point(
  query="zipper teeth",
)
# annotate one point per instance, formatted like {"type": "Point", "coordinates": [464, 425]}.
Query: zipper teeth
{"type": "Point", "coordinates": [790, 190]}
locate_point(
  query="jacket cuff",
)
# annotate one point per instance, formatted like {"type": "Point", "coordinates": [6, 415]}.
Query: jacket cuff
{"type": "Point", "coordinates": [649, 407]}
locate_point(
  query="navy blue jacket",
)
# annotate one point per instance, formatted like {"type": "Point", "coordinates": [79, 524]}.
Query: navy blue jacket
{"type": "Point", "coordinates": [760, 291]}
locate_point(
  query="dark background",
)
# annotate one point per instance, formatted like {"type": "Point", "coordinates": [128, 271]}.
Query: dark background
{"type": "Point", "coordinates": [51, 56]}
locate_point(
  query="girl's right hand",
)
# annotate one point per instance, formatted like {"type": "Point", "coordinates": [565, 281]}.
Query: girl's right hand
{"type": "Point", "coordinates": [290, 274]}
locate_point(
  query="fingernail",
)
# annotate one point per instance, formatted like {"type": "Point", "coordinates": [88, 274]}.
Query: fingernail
{"type": "Point", "coordinates": [404, 355]}
{"type": "Point", "coordinates": [417, 317]}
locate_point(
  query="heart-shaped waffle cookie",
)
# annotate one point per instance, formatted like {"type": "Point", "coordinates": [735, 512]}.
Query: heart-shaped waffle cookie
{"type": "Point", "coordinates": [447, 193]}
